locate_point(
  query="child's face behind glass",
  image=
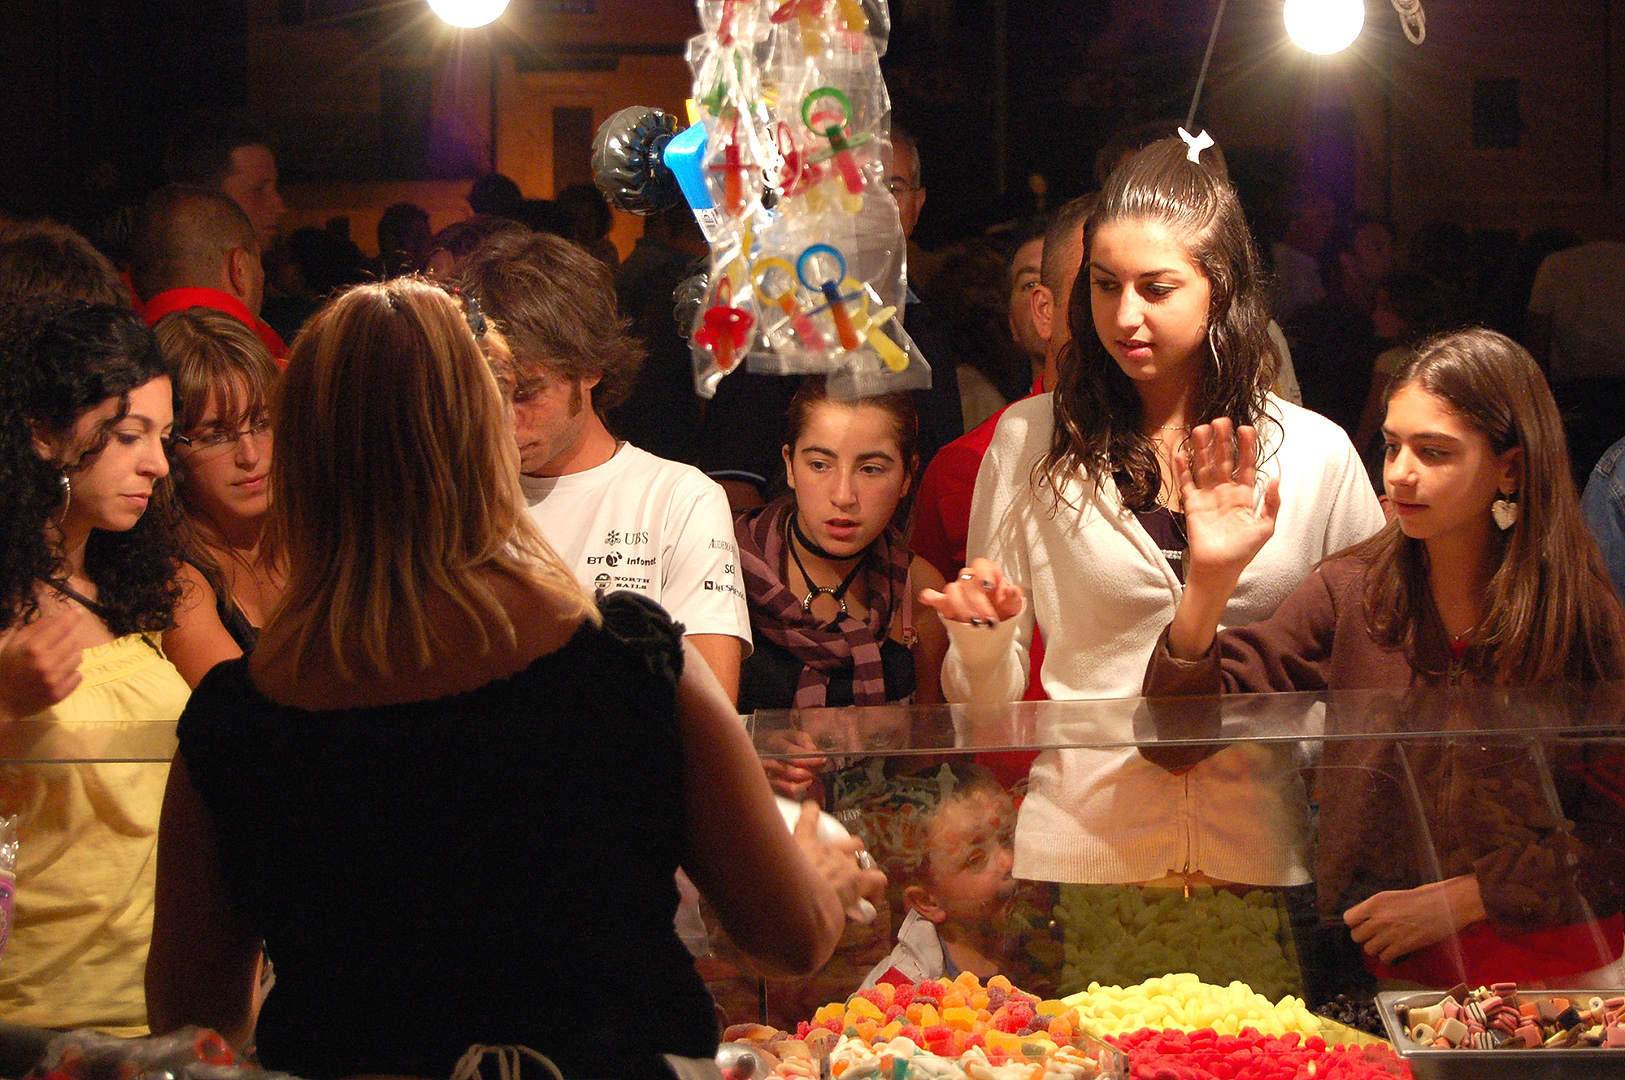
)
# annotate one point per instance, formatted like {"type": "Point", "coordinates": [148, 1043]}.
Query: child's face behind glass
{"type": "Point", "coordinates": [971, 853]}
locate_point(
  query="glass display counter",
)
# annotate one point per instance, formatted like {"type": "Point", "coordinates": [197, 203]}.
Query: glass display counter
{"type": "Point", "coordinates": [85, 798]}
{"type": "Point", "coordinates": [1462, 833]}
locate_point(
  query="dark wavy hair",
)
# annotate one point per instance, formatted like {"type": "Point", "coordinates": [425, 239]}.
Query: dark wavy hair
{"type": "Point", "coordinates": [1097, 408]}
{"type": "Point", "coordinates": [1550, 613]}
{"type": "Point", "coordinates": [57, 362]}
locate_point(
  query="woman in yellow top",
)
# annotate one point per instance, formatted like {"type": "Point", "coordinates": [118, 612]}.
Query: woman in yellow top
{"type": "Point", "coordinates": [86, 584]}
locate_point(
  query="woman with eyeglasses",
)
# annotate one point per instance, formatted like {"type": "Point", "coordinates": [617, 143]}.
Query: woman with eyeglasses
{"type": "Point", "coordinates": [233, 572]}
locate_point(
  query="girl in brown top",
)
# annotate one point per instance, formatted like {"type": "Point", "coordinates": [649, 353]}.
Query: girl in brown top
{"type": "Point", "coordinates": [1486, 575]}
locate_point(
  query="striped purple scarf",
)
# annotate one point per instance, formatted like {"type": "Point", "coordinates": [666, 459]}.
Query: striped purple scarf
{"type": "Point", "coordinates": [776, 612]}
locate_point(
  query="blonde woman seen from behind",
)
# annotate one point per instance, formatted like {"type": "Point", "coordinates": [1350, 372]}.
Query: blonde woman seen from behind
{"type": "Point", "coordinates": [405, 758]}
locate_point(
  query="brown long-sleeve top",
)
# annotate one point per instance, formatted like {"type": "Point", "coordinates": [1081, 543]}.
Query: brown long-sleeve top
{"type": "Point", "coordinates": [1397, 813]}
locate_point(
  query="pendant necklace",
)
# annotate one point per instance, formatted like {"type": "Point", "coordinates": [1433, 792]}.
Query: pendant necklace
{"type": "Point", "coordinates": [838, 593]}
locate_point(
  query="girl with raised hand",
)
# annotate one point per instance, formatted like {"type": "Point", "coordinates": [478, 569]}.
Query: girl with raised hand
{"type": "Point", "coordinates": [1486, 575]}
{"type": "Point", "coordinates": [232, 573]}
{"type": "Point", "coordinates": [1079, 529]}
{"type": "Point", "coordinates": [86, 585]}
{"type": "Point", "coordinates": [407, 788]}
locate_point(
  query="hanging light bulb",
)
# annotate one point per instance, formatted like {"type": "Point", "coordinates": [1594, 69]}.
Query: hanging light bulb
{"type": "Point", "coordinates": [1324, 26]}
{"type": "Point", "coordinates": [468, 13]}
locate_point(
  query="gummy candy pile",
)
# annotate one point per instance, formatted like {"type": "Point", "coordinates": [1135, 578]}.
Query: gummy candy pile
{"type": "Point", "coordinates": [952, 1030]}
{"type": "Point", "coordinates": [1183, 1002]}
{"type": "Point", "coordinates": [1207, 1055]}
{"type": "Point", "coordinates": [949, 1018]}
{"type": "Point", "coordinates": [1120, 935]}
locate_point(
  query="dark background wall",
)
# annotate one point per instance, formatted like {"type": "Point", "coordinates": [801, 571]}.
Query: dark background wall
{"type": "Point", "coordinates": [1509, 116]}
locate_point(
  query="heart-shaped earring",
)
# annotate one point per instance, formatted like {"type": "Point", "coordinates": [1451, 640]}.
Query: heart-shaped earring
{"type": "Point", "coordinates": [1505, 512]}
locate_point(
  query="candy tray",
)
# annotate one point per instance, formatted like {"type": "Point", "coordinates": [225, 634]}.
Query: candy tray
{"type": "Point", "coordinates": [1431, 1063]}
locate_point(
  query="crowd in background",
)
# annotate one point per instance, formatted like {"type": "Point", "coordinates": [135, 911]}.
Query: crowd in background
{"type": "Point", "coordinates": [334, 506]}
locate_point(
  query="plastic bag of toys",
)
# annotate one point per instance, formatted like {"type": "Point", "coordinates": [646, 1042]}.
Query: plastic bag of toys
{"type": "Point", "coordinates": [785, 169]}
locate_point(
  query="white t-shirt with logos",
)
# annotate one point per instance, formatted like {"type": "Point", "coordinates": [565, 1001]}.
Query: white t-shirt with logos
{"type": "Point", "coordinates": [653, 526]}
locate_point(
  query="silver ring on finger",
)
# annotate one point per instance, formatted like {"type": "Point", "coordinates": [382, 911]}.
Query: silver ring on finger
{"type": "Point", "coordinates": [866, 861]}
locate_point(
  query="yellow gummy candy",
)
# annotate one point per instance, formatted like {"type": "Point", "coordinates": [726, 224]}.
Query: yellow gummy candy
{"type": "Point", "coordinates": [863, 1007]}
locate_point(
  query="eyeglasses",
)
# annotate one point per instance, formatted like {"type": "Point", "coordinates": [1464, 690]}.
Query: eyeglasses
{"type": "Point", "coordinates": [216, 442]}
{"type": "Point", "coordinates": [897, 185]}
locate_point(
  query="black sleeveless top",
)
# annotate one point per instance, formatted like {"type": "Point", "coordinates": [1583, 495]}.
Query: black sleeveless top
{"type": "Point", "coordinates": [243, 632]}
{"type": "Point", "coordinates": [770, 674]}
{"type": "Point", "coordinates": [492, 867]}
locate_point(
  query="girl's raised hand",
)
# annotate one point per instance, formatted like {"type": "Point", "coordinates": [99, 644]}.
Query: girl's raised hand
{"type": "Point", "coordinates": [980, 594]}
{"type": "Point", "coordinates": [1225, 521]}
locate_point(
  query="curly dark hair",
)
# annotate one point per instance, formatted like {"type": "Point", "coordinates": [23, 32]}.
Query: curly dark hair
{"type": "Point", "coordinates": [57, 362]}
{"type": "Point", "coordinates": [1097, 407]}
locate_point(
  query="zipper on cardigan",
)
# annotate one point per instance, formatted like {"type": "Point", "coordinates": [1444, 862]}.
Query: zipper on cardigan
{"type": "Point", "coordinates": [1190, 839]}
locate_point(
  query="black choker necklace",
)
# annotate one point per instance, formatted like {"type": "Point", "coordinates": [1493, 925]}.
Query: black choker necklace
{"type": "Point", "coordinates": [838, 594]}
{"type": "Point", "coordinates": [814, 549]}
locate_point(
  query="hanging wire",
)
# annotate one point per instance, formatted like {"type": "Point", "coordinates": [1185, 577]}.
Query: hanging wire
{"type": "Point", "coordinates": [1412, 19]}
{"type": "Point", "coordinates": [1218, 17]}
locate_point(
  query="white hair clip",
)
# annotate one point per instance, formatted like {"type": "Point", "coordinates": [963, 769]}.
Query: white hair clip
{"type": "Point", "coordinates": [1197, 143]}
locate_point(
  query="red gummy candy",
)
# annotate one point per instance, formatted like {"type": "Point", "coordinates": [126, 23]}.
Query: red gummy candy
{"type": "Point", "coordinates": [875, 998]}
{"type": "Point", "coordinates": [930, 988]}
{"type": "Point", "coordinates": [803, 1029]}
{"type": "Point", "coordinates": [893, 1012]}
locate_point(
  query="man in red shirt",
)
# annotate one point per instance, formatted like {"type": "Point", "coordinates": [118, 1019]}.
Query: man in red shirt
{"type": "Point", "coordinates": [942, 508]}
{"type": "Point", "coordinates": [195, 247]}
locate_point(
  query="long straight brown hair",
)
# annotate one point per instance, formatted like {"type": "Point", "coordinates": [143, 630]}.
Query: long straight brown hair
{"type": "Point", "coordinates": [215, 357]}
{"type": "Point", "coordinates": [1097, 408]}
{"type": "Point", "coordinates": [396, 478]}
{"type": "Point", "coordinates": [1551, 614]}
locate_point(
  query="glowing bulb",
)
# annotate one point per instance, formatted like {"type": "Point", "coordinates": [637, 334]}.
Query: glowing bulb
{"type": "Point", "coordinates": [468, 13]}
{"type": "Point", "coordinates": [1324, 26]}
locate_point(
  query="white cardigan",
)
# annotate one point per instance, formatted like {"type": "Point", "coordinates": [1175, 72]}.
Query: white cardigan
{"type": "Point", "coordinates": [1102, 592]}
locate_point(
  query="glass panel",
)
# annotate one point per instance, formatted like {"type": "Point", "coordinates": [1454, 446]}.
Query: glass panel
{"type": "Point", "coordinates": [1286, 841]}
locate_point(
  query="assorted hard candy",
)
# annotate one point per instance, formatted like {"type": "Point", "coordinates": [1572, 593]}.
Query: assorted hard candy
{"type": "Point", "coordinates": [1498, 1017]}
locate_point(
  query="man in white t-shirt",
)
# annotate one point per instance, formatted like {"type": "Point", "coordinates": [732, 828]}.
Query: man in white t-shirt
{"type": "Point", "coordinates": [620, 517]}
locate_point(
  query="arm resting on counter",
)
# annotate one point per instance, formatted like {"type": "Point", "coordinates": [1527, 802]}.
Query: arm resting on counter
{"type": "Point", "coordinates": [1393, 924]}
